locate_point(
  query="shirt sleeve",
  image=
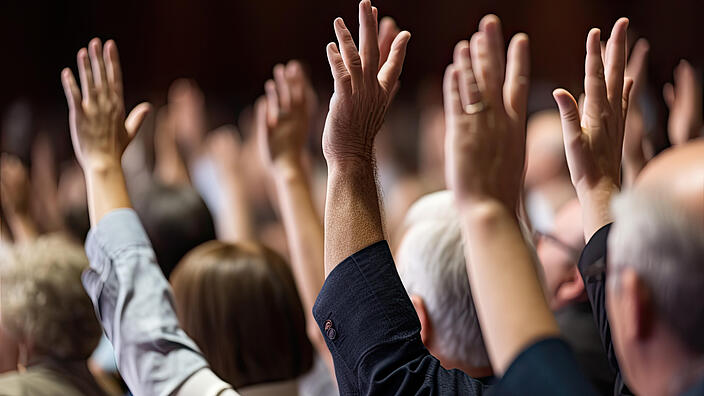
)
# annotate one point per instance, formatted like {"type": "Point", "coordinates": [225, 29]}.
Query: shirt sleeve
{"type": "Point", "coordinates": [547, 367]}
{"type": "Point", "coordinates": [373, 333]}
{"type": "Point", "coordinates": [134, 304]}
{"type": "Point", "coordinates": [592, 267]}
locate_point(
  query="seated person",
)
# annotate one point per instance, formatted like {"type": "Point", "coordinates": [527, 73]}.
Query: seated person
{"type": "Point", "coordinates": [46, 311]}
{"type": "Point", "coordinates": [432, 267]}
{"type": "Point", "coordinates": [230, 299]}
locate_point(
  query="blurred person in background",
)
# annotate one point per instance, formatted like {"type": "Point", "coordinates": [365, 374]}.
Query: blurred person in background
{"type": "Point", "coordinates": [47, 312]}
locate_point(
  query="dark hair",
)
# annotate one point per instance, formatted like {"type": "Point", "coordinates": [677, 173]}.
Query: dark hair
{"type": "Point", "coordinates": [176, 220]}
{"type": "Point", "coordinates": [239, 303]}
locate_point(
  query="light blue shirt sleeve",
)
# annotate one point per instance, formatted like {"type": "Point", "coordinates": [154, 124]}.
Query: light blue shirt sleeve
{"type": "Point", "coordinates": [134, 304]}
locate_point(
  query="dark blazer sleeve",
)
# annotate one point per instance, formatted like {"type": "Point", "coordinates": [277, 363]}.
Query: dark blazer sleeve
{"type": "Point", "coordinates": [373, 332]}
{"type": "Point", "coordinates": [592, 267]}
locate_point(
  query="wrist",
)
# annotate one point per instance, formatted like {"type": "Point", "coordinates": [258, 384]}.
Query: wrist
{"type": "Point", "coordinates": [595, 202]}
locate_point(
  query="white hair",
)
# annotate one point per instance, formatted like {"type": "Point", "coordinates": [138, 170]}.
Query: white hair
{"type": "Point", "coordinates": [665, 246]}
{"type": "Point", "coordinates": [433, 266]}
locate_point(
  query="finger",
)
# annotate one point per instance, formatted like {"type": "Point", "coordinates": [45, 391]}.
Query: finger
{"type": "Point", "coordinates": [112, 67]}
{"type": "Point", "coordinates": [451, 92]}
{"type": "Point", "coordinates": [387, 32]}
{"type": "Point", "coordinates": [368, 41]}
{"type": "Point", "coordinates": [594, 83]}
{"type": "Point", "coordinates": [342, 77]}
{"type": "Point", "coordinates": [272, 102]}
{"type": "Point", "coordinates": [73, 94]}
{"type": "Point", "coordinates": [391, 70]}
{"type": "Point", "coordinates": [349, 53]}
{"type": "Point", "coordinates": [580, 104]}
{"type": "Point", "coordinates": [687, 85]}
{"type": "Point", "coordinates": [95, 50]}
{"type": "Point", "coordinates": [296, 82]}
{"type": "Point", "coordinates": [637, 63]}
{"type": "Point", "coordinates": [262, 129]}
{"type": "Point", "coordinates": [86, 75]}
{"type": "Point", "coordinates": [485, 70]}
{"type": "Point", "coordinates": [517, 77]}
{"type": "Point", "coordinates": [616, 63]}
{"type": "Point", "coordinates": [282, 89]}
{"type": "Point", "coordinates": [491, 26]}
{"type": "Point", "coordinates": [469, 92]}
{"type": "Point", "coordinates": [375, 14]}
{"type": "Point", "coordinates": [134, 120]}
{"type": "Point", "coordinates": [569, 115]}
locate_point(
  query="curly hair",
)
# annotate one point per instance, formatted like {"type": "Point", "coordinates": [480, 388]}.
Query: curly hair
{"type": "Point", "coordinates": [42, 299]}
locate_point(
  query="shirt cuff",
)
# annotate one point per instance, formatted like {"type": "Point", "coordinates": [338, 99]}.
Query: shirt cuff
{"type": "Point", "coordinates": [592, 262]}
{"type": "Point", "coordinates": [205, 383]}
{"type": "Point", "coordinates": [363, 304]}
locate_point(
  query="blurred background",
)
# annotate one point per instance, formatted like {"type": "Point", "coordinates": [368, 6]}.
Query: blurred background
{"type": "Point", "coordinates": [230, 47]}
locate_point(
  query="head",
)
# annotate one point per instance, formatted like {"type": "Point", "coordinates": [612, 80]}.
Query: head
{"type": "Point", "coordinates": [545, 152]}
{"type": "Point", "coordinates": [176, 220]}
{"type": "Point", "coordinates": [44, 306]}
{"type": "Point", "coordinates": [655, 288]}
{"type": "Point", "coordinates": [239, 303]}
{"type": "Point", "coordinates": [433, 269]}
{"type": "Point", "coordinates": [558, 252]}
{"type": "Point", "coordinates": [656, 272]}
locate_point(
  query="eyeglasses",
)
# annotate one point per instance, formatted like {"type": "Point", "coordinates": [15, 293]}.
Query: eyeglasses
{"type": "Point", "coordinates": [573, 252]}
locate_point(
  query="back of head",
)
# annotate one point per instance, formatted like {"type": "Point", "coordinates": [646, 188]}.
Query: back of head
{"type": "Point", "coordinates": [240, 304]}
{"type": "Point", "coordinates": [432, 265]}
{"type": "Point", "coordinates": [43, 303]}
{"type": "Point", "coordinates": [176, 220]}
{"type": "Point", "coordinates": [653, 235]}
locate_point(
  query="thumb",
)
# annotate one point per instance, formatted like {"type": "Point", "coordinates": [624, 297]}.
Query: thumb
{"type": "Point", "coordinates": [569, 115]}
{"type": "Point", "coordinates": [135, 118]}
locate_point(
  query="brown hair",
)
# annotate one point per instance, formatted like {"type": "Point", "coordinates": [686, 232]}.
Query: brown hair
{"type": "Point", "coordinates": [239, 303]}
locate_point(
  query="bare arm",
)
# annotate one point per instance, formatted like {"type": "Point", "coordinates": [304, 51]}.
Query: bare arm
{"type": "Point", "coordinates": [485, 110]}
{"type": "Point", "coordinates": [282, 123]}
{"type": "Point", "coordinates": [362, 94]}
{"type": "Point", "coordinates": [235, 222]}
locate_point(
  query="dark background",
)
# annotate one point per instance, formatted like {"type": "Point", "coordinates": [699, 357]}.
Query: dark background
{"type": "Point", "coordinates": [229, 47]}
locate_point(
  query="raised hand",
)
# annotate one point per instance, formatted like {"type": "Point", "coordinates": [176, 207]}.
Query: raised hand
{"type": "Point", "coordinates": [99, 130]}
{"type": "Point", "coordinates": [594, 139]}
{"type": "Point", "coordinates": [283, 115]}
{"type": "Point", "coordinates": [634, 157]}
{"type": "Point", "coordinates": [187, 110]}
{"type": "Point", "coordinates": [684, 100]}
{"type": "Point", "coordinates": [364, 86]}
{"type": "Point", "coordinates": [485, 115]}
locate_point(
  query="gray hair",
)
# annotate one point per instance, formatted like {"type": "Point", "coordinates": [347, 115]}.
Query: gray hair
{"type": "Point", "coordinates": [43, 301]}
{"type": "Point", "coordinates": [433, 266]}
{"type": "Point", "coordinates": [665, 246]}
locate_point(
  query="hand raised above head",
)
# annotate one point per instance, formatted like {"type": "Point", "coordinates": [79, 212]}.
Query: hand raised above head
{"type": "Point", "coordinates": [485, 114]}
{"type": "Point", "coordinates": [283, 117]}
{"type": "Point", "coordinates": [684, 99]}
{"type": "Point", "coordinates": [364, 85]}
{"type": "Point", "coordinates": [14, 187]}
{"type": "Point", "coordinates": [594, 140]}
{"type": "Point", "coordinates": [99, 130]}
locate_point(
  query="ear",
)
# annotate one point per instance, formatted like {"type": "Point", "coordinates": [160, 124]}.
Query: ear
{"type": "Point", "coordinates": [425, 326]}
{"type": "Point", "coordinates": [639, 305]}
{"type": "Point", "coordinates": [572, 289]}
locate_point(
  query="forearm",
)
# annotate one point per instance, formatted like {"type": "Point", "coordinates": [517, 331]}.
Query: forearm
{"type": "Point", "coordinates": [304, 231]}
{"type": "Point", "coordinates": [596, 211]}
{"type": "Point", "coordinates": [306, 242]}
{"type": "Point", "coordinates": [352, 214]}
{"type": "Point", "coordinates": [236, 223]}
{"type": "Point", "coordinates": [505, 283]}
{"type": "Point", "coordinates": [106, 189]}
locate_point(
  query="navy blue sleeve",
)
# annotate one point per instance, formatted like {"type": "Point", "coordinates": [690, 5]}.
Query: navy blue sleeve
{"type": "Point", "coordinates": [373, 333]}
{"type": "Point", "coordinates": [547, 367]}
{"type": "Point", "coordinates": [592, 266]}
